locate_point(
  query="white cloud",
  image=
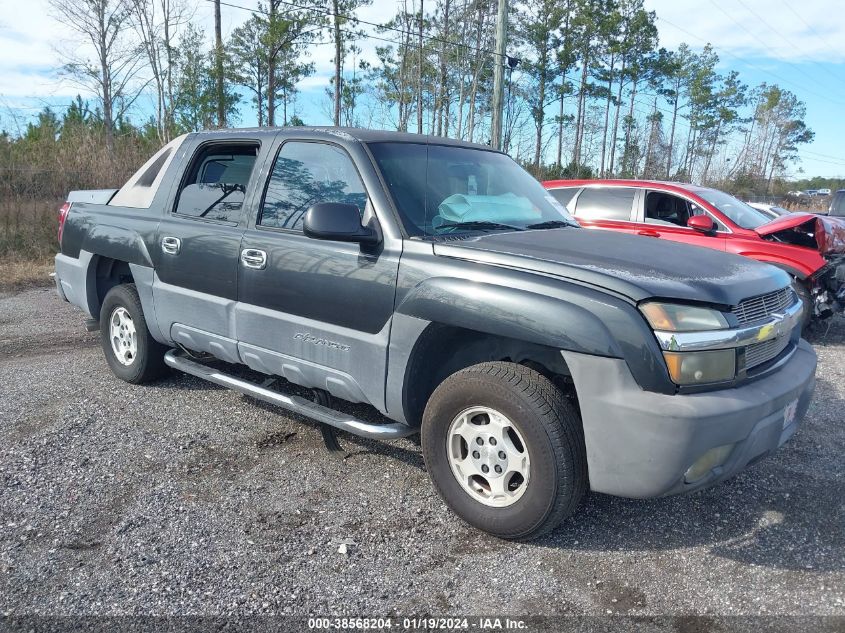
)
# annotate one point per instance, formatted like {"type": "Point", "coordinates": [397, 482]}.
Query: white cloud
{"type": "Point", "coordinates": [809, 31]}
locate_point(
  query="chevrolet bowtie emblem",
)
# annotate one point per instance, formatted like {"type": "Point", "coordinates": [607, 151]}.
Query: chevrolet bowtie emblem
{"type": "Point", "coordinates": [773, 329]}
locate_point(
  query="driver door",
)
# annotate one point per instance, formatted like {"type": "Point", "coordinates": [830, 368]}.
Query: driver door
{"type": "Point", "coordinates": [316, 312]}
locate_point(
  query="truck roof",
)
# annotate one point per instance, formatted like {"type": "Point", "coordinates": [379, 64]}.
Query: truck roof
{"type": "Point", "coordinates": [348, 133]}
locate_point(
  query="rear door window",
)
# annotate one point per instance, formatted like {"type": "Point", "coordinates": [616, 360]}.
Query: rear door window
{"type": "Point", "coordinates": [215, 184]}
{"type": "Point", "coordinates": [606, 203]}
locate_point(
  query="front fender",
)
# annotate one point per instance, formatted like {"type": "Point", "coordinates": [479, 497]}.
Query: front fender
{"type": "Point", "coordinates": [799, 262]}
{"type": "Point", "coordinates": [510, 312]}
{"type": "Point", "coordinates": [556, 314]}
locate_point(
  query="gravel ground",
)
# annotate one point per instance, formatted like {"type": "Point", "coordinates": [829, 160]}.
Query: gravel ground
{"type": "Point", "coordinates": [184, 498]}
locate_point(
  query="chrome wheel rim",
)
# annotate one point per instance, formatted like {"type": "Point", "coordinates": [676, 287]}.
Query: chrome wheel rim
{"type": "Point", "coordinates": [488, 456]}
{"type": "Point", "coordinates": [124, 342]}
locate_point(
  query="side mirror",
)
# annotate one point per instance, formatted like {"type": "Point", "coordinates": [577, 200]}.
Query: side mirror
{"type": "Point", "coordinates": [703, 223]}
{"type": "Point", "coordinates": [338, 222]}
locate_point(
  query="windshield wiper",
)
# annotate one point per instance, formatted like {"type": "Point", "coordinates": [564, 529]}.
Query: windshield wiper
{"type": "Point", "coordinates": [550, 224]}
{"type": "Point", "coordinates": [480, 225]}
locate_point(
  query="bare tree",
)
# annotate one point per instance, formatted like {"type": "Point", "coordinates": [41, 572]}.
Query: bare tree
{"type": "Point", "coordinates": [111, 75]}
{"type": "Point", "coordinates": [157, 23]}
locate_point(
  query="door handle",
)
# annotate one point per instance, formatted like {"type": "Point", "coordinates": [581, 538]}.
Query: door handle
{"type": "Point", "coordinates": [648, 233]}
{"type": "Point", "coordinates": [254, 258]}
{"type": "Point", "coordinates": [171, 245]}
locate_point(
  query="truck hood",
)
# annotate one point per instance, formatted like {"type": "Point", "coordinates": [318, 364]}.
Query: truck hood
{"type": "Point", "coordinates": [807, 229]}
{"type": "Point", "coordinates": [637, 267]}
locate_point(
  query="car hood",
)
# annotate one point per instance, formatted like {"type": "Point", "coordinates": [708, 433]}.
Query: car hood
{"type": "Point", "coordinates": [637, 267]}
{"type": "Point", "coordinates": [807, 229]}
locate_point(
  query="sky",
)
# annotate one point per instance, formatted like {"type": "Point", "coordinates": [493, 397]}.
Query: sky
{"type": "Point", "coordinates": [797, 45]}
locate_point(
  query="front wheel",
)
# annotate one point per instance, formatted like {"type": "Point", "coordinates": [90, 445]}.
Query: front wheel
{"type": "Point", "coordinates": [505, 449]}
{"type": "Point", "coordinates": [806, 297]}
{"type": "Point", "coordinates": [131, 352]}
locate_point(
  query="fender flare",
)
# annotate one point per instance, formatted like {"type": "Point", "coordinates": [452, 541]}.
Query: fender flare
{"type": "Point", "coordinates": [568, 318]}
{"type": "Point", "coordinates": [117, 243]}
{"type": "Point", "coordinates": [512, 313]}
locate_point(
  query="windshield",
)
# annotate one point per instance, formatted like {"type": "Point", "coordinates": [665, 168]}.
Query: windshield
{"type": "Point", "coordinates": [740, 213]}
{"type": "Point", "coordinates": [441, 189]}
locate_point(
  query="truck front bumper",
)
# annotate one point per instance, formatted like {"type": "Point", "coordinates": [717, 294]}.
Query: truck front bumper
{"type": "Point", "coordinates": [640, 444]}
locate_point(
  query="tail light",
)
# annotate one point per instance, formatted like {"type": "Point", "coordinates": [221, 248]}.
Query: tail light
{"type": "Point", "coordinates": [63, 211]}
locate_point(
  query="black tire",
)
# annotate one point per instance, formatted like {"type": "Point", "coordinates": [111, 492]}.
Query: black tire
{"type": "Point", "coordinates": [553, 437]}
{"type": "Point", "coordinates": [807, 299]}
{"type": "Point", "coordinates": [148, 363]}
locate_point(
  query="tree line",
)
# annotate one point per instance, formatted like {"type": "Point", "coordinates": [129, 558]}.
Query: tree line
{"type": "Point", "coordinates": [589, 90]}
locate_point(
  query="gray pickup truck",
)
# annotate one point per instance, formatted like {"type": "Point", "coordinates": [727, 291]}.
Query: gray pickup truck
{"type": "Point", "coordinates": [439, 283]}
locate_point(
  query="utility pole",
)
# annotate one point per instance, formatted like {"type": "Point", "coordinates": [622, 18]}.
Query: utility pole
{"type": "Point", "coordinates": [218, 61]}
{"type": "Point", "coordinates": [498, 74]}
{"type": "Point", "coordinates": [419, 73]}
{"type": "Point", "coordinates": [338, 52]}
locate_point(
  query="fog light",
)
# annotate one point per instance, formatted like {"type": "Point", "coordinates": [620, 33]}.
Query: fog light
{"type": "Point", "coordinates": [707, 462]}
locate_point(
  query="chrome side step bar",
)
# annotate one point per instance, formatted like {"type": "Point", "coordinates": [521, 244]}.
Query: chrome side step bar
{"type": "Point", "coordinates": [178, 360]}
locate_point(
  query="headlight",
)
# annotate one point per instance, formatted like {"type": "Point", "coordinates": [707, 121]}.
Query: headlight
{"type": "Point", "coordinates": [675, 317]}
{"type": "Point", "coordinates": [697, 368]}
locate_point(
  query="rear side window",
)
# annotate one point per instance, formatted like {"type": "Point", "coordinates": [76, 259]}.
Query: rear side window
{"type": "Point", "coordinates": [216, 182]}
{"type": "Point", "coordinates": [304, 174]}
{"type": "Point", "coordinates": [605, 203]}
{"type": "Point", "coordinates": [564, 196]}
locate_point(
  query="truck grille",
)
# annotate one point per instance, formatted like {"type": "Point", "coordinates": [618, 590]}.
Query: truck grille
{"type": "Point", "coordinates": [761, 307]}
{"type": "Point", "coordinates": [759, 353]}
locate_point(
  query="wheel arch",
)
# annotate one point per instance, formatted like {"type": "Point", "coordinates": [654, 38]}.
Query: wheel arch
{"type": "Point", "coordinates": [451, 323]}
{"type": "Point", "coordinates": [105, 273]}
{"type": "Point", "coordinates": [442, 349]}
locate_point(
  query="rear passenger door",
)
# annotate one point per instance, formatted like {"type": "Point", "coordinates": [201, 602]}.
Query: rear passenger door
{"type": "Point", "coordinates": [198, 245]}
{"type": "Point", "coordinates": [316, 312]}
{"type": "Point", "coordinates": [607, 207]}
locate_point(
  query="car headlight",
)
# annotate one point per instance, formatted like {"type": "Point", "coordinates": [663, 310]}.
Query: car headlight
{"type": "Point", "coordinates": [698, 367]}
{"type": "Point", "coordinates": [676, 317]}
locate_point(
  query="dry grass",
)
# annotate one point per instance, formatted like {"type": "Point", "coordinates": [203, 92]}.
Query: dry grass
{"type": "Point", "coordinates": [27, 242]}
{"type": "Point", "coordinates": [20, 274]}
{"type": "Point", "coordinates": [36, 172]}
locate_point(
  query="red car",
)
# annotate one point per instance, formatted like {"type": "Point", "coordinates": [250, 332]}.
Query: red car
{"type": "Point", "coordinates": [809, 247]}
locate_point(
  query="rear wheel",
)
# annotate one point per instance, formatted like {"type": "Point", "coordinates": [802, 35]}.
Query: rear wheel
{"type": "Point", "coordinates": [132, 353]}
{"type": "Point", "coordinates": [505, 449]}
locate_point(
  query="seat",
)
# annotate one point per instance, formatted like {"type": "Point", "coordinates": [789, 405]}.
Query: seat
{"type": "Point", "coordinates": [663, 209]}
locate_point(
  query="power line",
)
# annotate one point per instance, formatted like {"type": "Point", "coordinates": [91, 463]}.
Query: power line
{"type": "Point", "coordinates": [821, 157]}
{"type": "Point", "coordinates": [769, 48]}
{"type": "Point", "coordinates": [381, 27]}
{"type": "Point", "coordinates": [649, 107]}
{"type": "Point", "coordinates": [786, 39]}
{"type": "Point", "coordinates": [808, 25]}
{"type": "Point", "coordinates": [826, 162]}
{"type": "Point", "coordinates": [747, 63]}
